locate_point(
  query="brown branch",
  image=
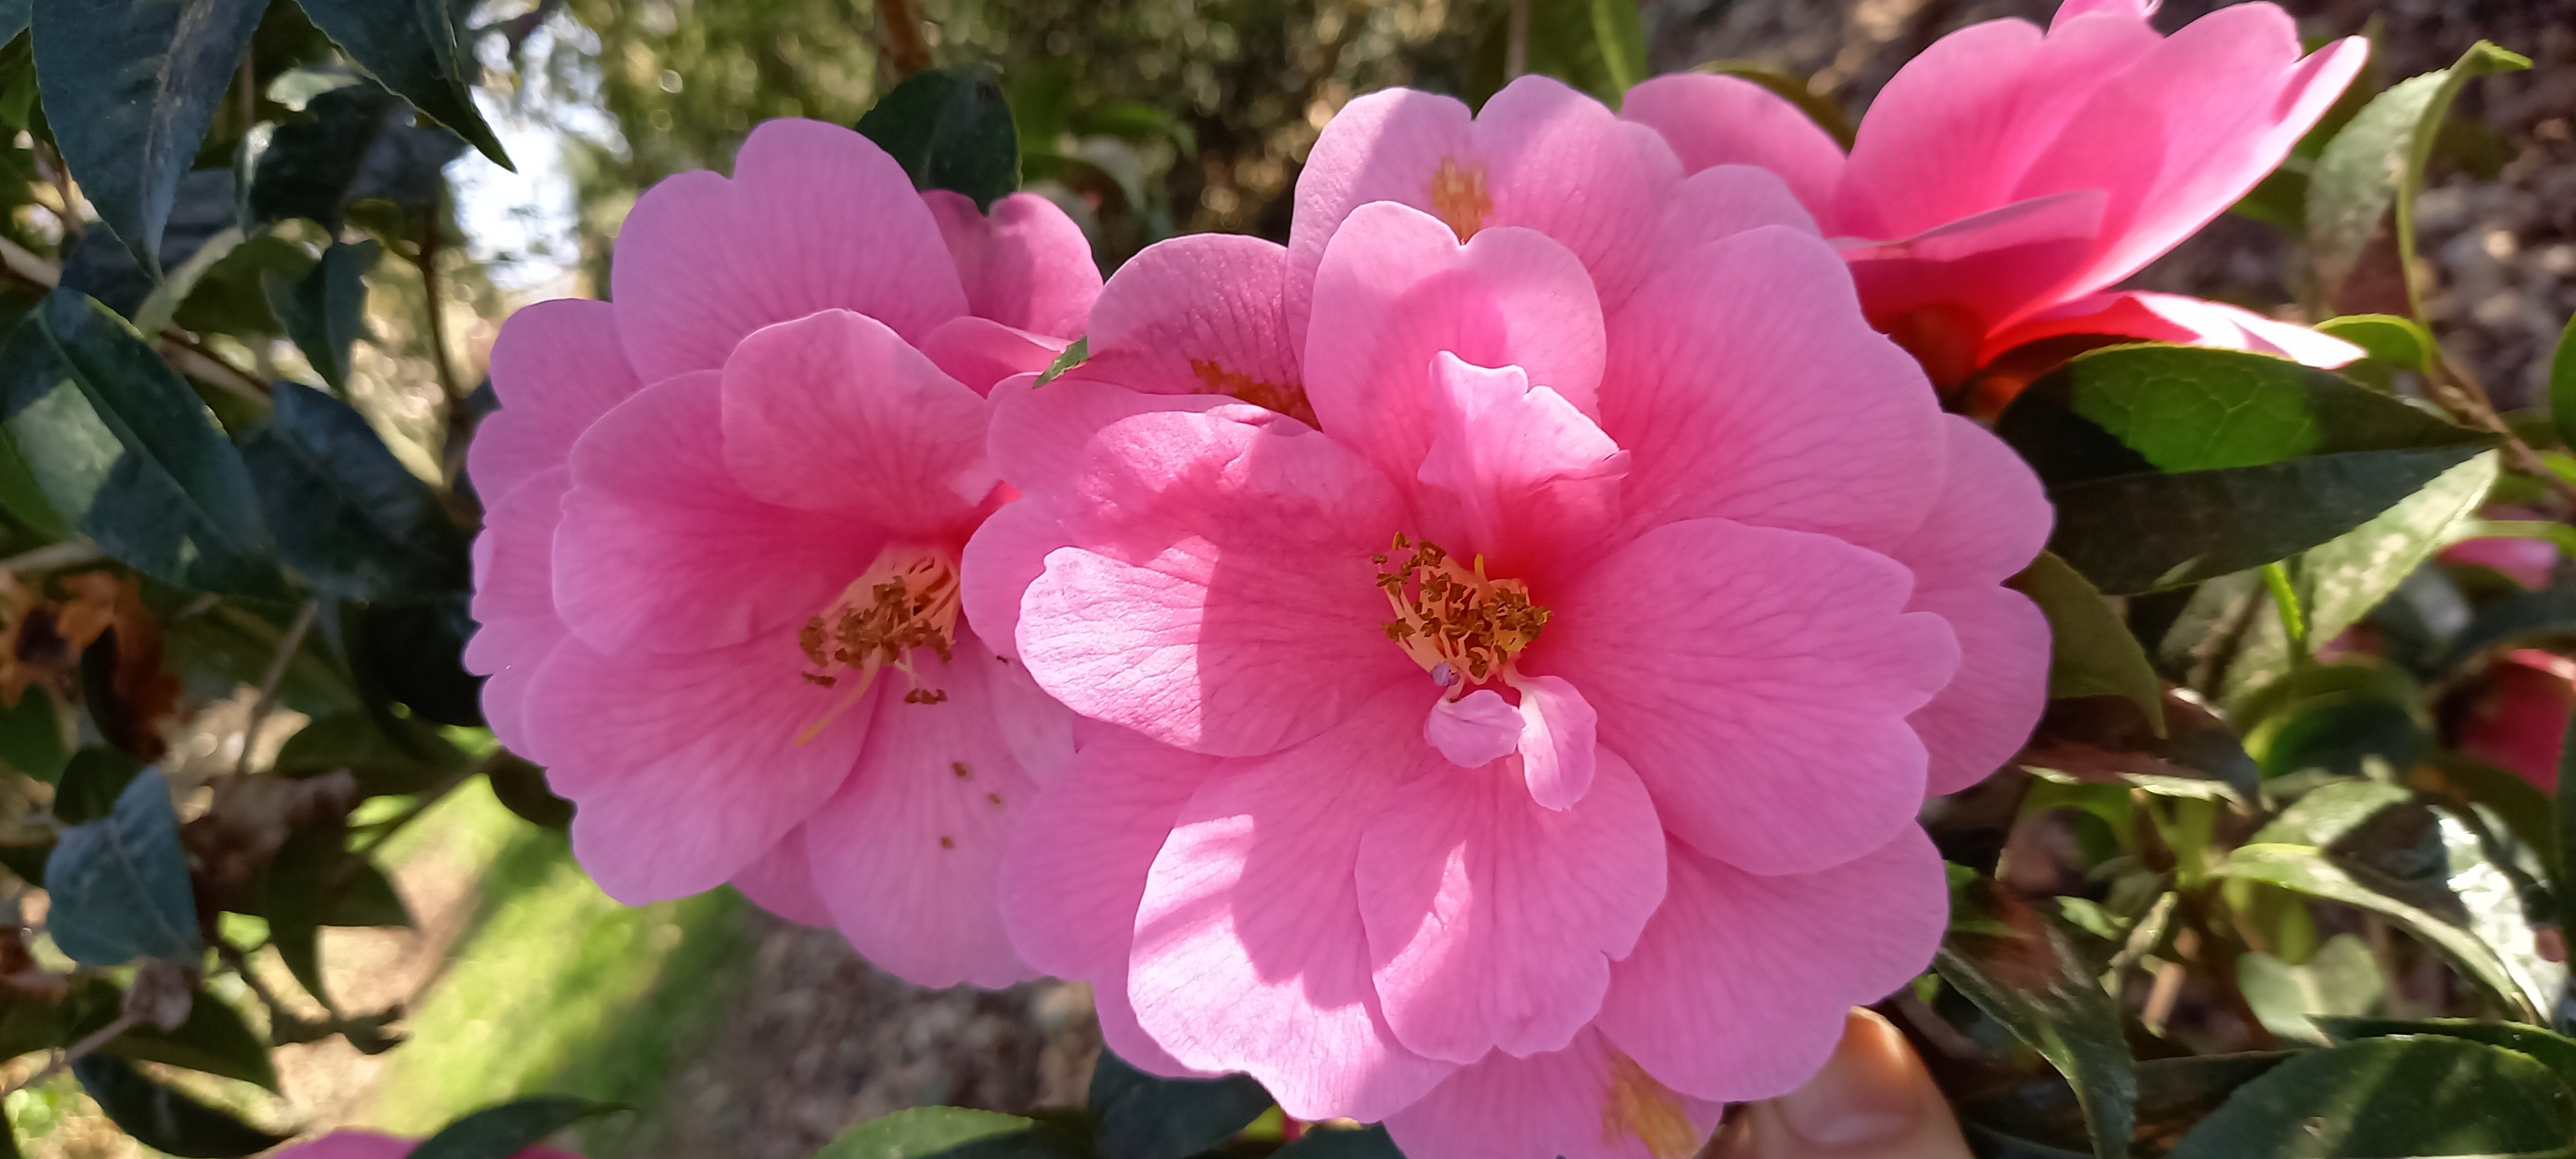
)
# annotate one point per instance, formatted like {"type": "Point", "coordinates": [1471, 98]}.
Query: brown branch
{"type": "Point", "coordinates": [268, 681]}
{"type": "Point", "coordinates": [178, 347]}
{"type": "Point", "coordinates": [2463, 395]}
{"type": "Point", "coordinates": [97, 1038]}
{"type": "Point", "coordinates": [905, 50]}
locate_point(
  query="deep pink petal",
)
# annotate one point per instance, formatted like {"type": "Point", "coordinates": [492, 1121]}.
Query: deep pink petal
{"type": "Point", "coordinates": [1587, 1101]}
{"type": "Point", "coordinates": [1513, 472]}
{"type": "Point", "coordinates": [2176, 318]}
{"type": "Point", "coordinates": [782, 882]}
{"type": "Point", "coordinates": [1250, 954]}
{"type": "Point", "coordinates": [1989, 517]}
{"type": "Point", "coordinates": [1980, 271]}
{"type": "Point", "coordinates": [1986, 712]}
{"type": "Point", "coordinates": [981, 352]}
{"type": "Point", "coordinates": [1220, 595]}
{"type": "Point", "coordinates": [1474, 730]}
{"type": "Point", "coordinates": [1492, 920]}
{"type": "Point", "coordinates": [835, 412]}
{"type": "Point", "coordinates": [1200, 314]}
{"type": "Point", "coordinates": [1759, 680]}
{"type": "Point", "coordinates": [1558, 742]}
{"type": "Point", "coordinates": [1746, 385]}
{"type": "Point", "coordinates": [816, 217]}
{"type": "Point", "coordinates": [1026, 266]}
{"type": "Point", "coordinates": [661, 551]}
{"type": "Point", "coordinates": [1070, 897]}
{"type": "Point", "coordinates": [1739, 987]}
{"type": "Point", "coordinates": [556, 368]}
{"type": "Point", "coordinates": [908, 854]}
{"type": "Point", "coordinates": [1722, 120]}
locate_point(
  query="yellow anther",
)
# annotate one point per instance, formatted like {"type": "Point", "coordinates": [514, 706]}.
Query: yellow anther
{"type": "Point", "coordinates": [906, 600]}
{"type": "Point", "coordinates": [1638, 1105]}
{"type": "Point", "coordinates": [1458, 197]}
{"type": "Point", "coordinates": [1461, 626]}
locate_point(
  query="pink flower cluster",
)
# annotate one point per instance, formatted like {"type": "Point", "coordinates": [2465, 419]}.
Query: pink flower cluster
{"type": "Point", "coordinates": [1474, 667]}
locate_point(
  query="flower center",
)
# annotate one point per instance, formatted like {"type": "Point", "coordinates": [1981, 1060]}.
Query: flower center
{"type": "Point", "coordinates": [1462, 627]}
{"type": "Point", "coordinates": [907, 599]}
{"type": "Point", "coordinates": [1458, 197]}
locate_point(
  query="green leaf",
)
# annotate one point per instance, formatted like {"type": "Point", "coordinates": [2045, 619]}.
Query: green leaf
{"type": "Point", "coordinates": [2091, 652]}
{"type": "Point", "coordinates": [2306, 869]}
{"type": "Point", "coordinates": [957, 1132]}
{"type": "Point", "coordinates": [92, 781]}
{"type": "Point", "coordinates": [120, 883]}
{"type": "Point", "coordinates": [1142, 1116]}
{"type": "Point", "coordinates": [214, 1039]}
{"type": "Point", "coordinates": [34, 738]}
{"type": "Point", "coordinates": [502, 1131]}
{"type": "Point", "coordinates": [2377, 163]}
{"type": "Point", "coordinates": [298, 876]}
{"type": "Point", "coordinates": [2341, 979]}
{"type": "Point", "coordinates": [2563, 870]}
{"type": "Point", "coordinates": [163, 1119]}
{"type": "Point", "coordinates": [348, 516]}
{"type": "Point", "coordinates": [326, 309]}
{"type": "Point", "coordinates": [2557, 1052]}
{"type": "Point", "coordinates": [1598, 46]}
{"type": "Point", "coordinates": [2390, 1097]}
{"type": "Point", "coordinates": [311, 166]}
{"type": "Point", "coordinates": [2526, 811]}
{"type": "Point", "coordinates": [950, 128]}
{"type": "Point", "coordinates": [1824, 110]}
{"type": "Point", "coordinates": [2033, 982]}
{"type": "Point", "coordinates": [126, 450]}
{"type": "Point", "coordinates": [1074, 355]}
{"type": "Point", "coordinates": [2169, 465]}
{"type": "Point", "coordinates": [2562, 385]}
{"type": "Point", "coordinates": [410, 759]}
{"type": "Point", "coordinates": [23, 499]}
{"type": "Point", "coordinates": [2042, 1120]}
{"type": "Point", "coordinates": [412, 46]}
{"type": "Point", "coordinates": [1320, 1142]}
{"type": "Point", "coordinates": [412, 652]}
{"type": "Point", "coordinates": [2387, 338]}
{"type": "Point", "coordinates": [521, 788]}
{"type": "Point", "coordinates": [13, 18]}
{"type": "Point", "coordinates": [129, 90]}
{"type": "Point", "coordinates": [2330, 813]}
{"type": "Point", "coordinates": [2106, 741]}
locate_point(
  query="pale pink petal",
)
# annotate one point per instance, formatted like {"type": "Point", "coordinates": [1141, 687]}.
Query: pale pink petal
{"type": "Point", "coordinates": [2132, 9]}
{"type": "Point", "coordinates": [1199, 315]}
{"type": "Point", "coordinates": [1722, 120]}
{"type": "Point", "coordinates": [1491, 920]}
{"type": "Point", "coordinates": [1040, 434]}
{"type": "Point", "coordinates": [1989, 517]}
{"type": "Point", "coordinates": [834, 412]}
{"type": "Point", "coordinates": [981, 352]}
{"type": "Point", "coordinates": [1220, 595]}
{"type": "Point", "coordinates": [1558, 742]}
{"type": "Point", "coordinates": [1759, 680]}
{"type": "Point", "coordinates": [1387, 145]}
{"type": "Point", "coordinates": [1587, 1101]}
{"type": "Point", "coordinates": [660, 550]}
{"type": "Point", "coordinates": [1026, 265]}
{"type": "Point", "coordinates": [1007, 554]}
{"type": "Point", "coordinates": [1724, 201]}
{"type": "Point", "coordinates": [514, 606]}
{"type": "Point", "coordinates": [816, 217]}
{"type": "Point", "coordinates": [1558, 161]}
{"type": "Point", "coordinates": [1990, 267]}
{"type": "Point", "coordinates": [1120, 1033]}
{"type": "Point", "coordinates": [2180, 319]}
{"type": "Point", "coordinates": [1984, 715]}
{"type": "Point", "coordinates": [1739, 988]}
{"type": "Point", "coordinates": [1070, 898]}
{"type": "Point", "coordinates": [556, 368]}
{"type": "Point", "coordinates": [1396, 289]}
{"type": "Point", "coordinates": [686, 767]}
{"type": "Point", "coordinates": [1747, 386]}
{"type": "Point", "coordinates": [908, 854]}
{"type": "Point", "coordinates": [1474, 730]}
{"type": "Point", "coordinates": [1250, 954]}
{"type": "Point", "coordinates": [782, 882]}
{"type": "Point", "coordinates": [1513, 472]}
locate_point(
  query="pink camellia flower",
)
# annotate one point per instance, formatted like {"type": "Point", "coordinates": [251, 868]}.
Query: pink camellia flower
{"type": "Point", "coordinates": [718, 577]}
{"type": "Point", "coordinates": [2519, 720]}
{"type": "Point", "coordinates": [1520, 713]}
{"type": "Point", "coordinates": [2005, 179]}
{"type": "Point", "coordinates": [2526, 561]}
{"type": "Point", "coordinates": [370, 1145]}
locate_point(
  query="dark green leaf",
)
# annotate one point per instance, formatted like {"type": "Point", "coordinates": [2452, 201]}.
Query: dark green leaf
{"type": "Point", "coordinates": [298, 877]}
{"type": "Point", "coordinates": [120, 883]}
{"type": "Point", "coordinates": [502, 1131]}
{"type": "Point", "coordinates": [364, 896]}
{"type": "Point", "coordinates": [126, 450]}
{"type": "Point", "coordinates": [2399, 342]}
{"type": "Point", "coordinates": [2554, 1051]}
{"type": "Point", "coordinates": [2104, 740]}
{"type": "Point", "coordinates": [2527, 812]}
{"type": "Point", "coordinates": [1598, 46]}
{"type": "Point", "coordinates": [414, 652]}
{"type": "Point", "coordinates": [164, 1119]}
{"type": "Point", "coordinates": [2091, 652]}
{"type": "Point", "coordinates": [1142, 1116]}
{"type": "Point", "coordinates": [413, 47]}
{"type": "Point", "coordinates": [2562, 385]}
{"type": "Point", "coordinates": [220, 648]}
{"type": "Point", "coordinates": [92, 781]}
{"type": "Point", "coordinates": [522, 789]}
{"type": "Point", "coordinates": [311, 166]}
{"type": "Point", "coordinates": [2170, 465]}
{"type": "Point", "coordinates": [23, 499]}
{"type": "Point", "coordinates": [348, 516]}
{"type": "Point", "coordinates": [950, 128]}
{"type": "Point", "coordinates": [950, 1132]}
{"type": "Point", "coordinates": [129, 90]}
{"type": "Point", "coordinates": [2392, 1097]}
{"type": "Point", "coordinates": [228, 298]}
{"type": "Point", "coordinates": [28, 861]}
{"type": "Point", "coordinates": [2032, 981]}
{"type": "Point", "coordinates": [326, 309]}
{"type": "Point", "coordinates": [2303, 868]}
{"type": "Point", "coordinates": [13, 18]}
{"type": "Point", "coordinates": [1333, 1143]}
{"type": "Point", "coordinates": [2042, 1120]}
{"type": "Point", "coordinates": [214, 1039]}
{"type": "Point", "coordinates": [1825, 111]}
{"type": "Point", "coordinates": [410, 759]}
{"type": "Point", "coordinates": [96, 263]}
{"type": "Point", "coordinates": [34, 738]}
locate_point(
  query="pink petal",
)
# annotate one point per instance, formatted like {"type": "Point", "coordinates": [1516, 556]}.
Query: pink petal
{"type": "Point", "coordinates": [2528, 562]}
{"type": "Point", "coordinates": [1722, 120]}
{"type": "Point", "coordinates": [908, 854]}
{"type": "Point", "coordinates": [1219, 595]}
{"type": "Point", "coordinates": [980, 352]}
{"type": "Point", "coordinates": [1071, 890]}
{"type": "Point", "coordinates": [514, 606]}
{"type": "Point", "coordinates": [1383, 146]}
{"type": "Point", "coordinates": [1396, 289]}
{"type": "Point", "coordinates": [1474, 730]}
{"type": "Point", "coordinates": [1491, 920]}
{"type": "Point", "coordinates": [1987, 711]}
{"type": "Point", "coordinates": [782, 882]}
{"type": "Point", "coordinates": [1993, 266]}
{"type": "Point", "coordinates": [661, 551]}
{"type": "Point", "coordinates": [1558, 741]}
{"type": "Point", "coordinates": [1250, 953]}
{"type": "Point", "coordinates": [556, 368]}
{"type": "Point", "coordinates": [1759, 681]}
{"type": "Point", "coordinates": [1724, 201]}
{"type": "Point", "coordinates": [1750, 388]}
{"type": "Point", "coordinates": [2133, 9]}
{"type": "Point", "coordinates": [1007, 554]}
{"type": "Point", "coordinates": [1739, 987]}
{"type": "Point", "coordinates": [1587, 1101]}
{"type": "Point", "coordinates": [2175, 318]}
{"type": "Point", "coordinates": [834, 412]}
{"type": "Point", "coordinates": [1513, 472]}
{"type": "Point", "coordinates": [686, 767]}
{"type": "Point", "coordinates": [1040, 434]}
{"type": "Point", "coordinates": [1989, 517]}
{"type": "Point", "coordinates": [1559, 162]}
{"type": "Point", "coordinates": [1199, 315]}
{"type": "Point", "coordinates": [1026, 266]}
{"type": "Point", "coordinates": [816, 217]}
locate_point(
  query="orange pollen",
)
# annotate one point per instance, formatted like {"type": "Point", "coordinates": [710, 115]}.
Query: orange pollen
{"type": "Point", "coordinates": [1638, 1105]}
{"type": "Point", "coordinates": [1288, 399]}
{"type": "Point", "coordinates": [1458, 197]}
{"type": "Point", "coordinates": [905, 601]}
{"type": "Point", "coordinates": [1460, 626]}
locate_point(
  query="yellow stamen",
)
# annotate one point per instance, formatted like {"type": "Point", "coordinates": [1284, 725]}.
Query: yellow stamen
{"type": "Point", "coordinates": [1458, 197]}
{"type": "Point", "coordinates": [1288, 398]}
{"type": "Point", "coordinates": [1462, 627]}
{"type": "Point", "coordinates": [906, 600]}
{"type": "Point", "coordinates": [1638, 1105]}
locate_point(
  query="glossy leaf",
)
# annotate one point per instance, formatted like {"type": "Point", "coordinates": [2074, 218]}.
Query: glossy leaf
{"type": "Point", "coordinates": [2042, 1120]}
{"type": "Point", "coordinates": [2306, 869]}
{"type": "Point", "coordinates": [2091, 652]}
{"type": "Point", "coordinates": [129, 90]}
{"type": "Point", "coordinates": [120, 883]}
{"type": "Point", "coordinates": [312, 166]}
{"type": "Point", "coordinates": [2104, 740]}
{"type": "Point", "coordinates": [92, 781]}
{"type": "Point", "coordinates": [2340, 979]}
{"type": "Point", "coordinates": [2389, 339]}
{"type": "Point", "coordinates": [413, 47]}
{"type": "Point", "coordinates": [125, 450]}
{"type": "Point", "coordinates": [502, 1131]}
{"type": "Point", "coordinates": [2033, 982]}
{"type": "Point", "coordinates": [326, 310]}
{"type": "Point", "coordinates": [164, 1119]}
{"type": "Point", "coordinates": [1141, 1116]}
{"type": "Point", "coordinates": [955, 1132]}
{"type": "Point", "coordinates": [2385, 1097]}
{"type": "Point", "coordinates": [2555, 1051]}
{"type": "Point", "coordinates": [2528, 813]}
{"type": "Point", "coordinates": [950, 128]}
{"type": "Point", "coordinates": [348, 515]}
{"type": "Point", "coordinates": [1598, 46]}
